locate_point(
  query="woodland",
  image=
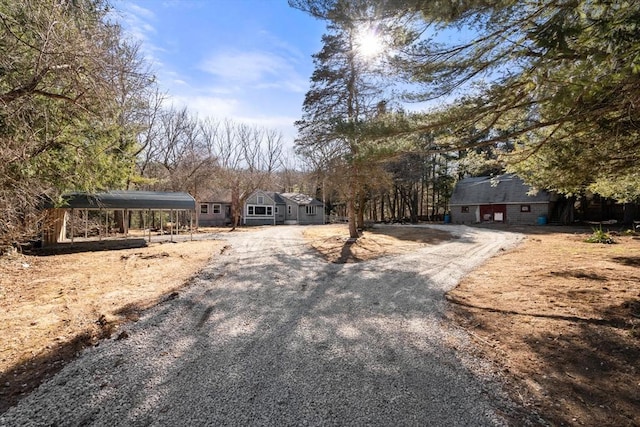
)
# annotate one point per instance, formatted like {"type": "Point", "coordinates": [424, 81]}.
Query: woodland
{"type": "Point", "coordinates": [545, 89]}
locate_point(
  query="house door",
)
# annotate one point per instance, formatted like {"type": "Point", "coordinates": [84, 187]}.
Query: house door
{"type": "Point", "coordinates": [493, 213]}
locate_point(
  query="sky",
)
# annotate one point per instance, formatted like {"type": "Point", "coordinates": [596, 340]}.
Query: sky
{"type": "Point", "coordinates": [245, 60]}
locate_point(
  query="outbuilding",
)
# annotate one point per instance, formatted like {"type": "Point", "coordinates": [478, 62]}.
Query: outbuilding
{"type": "Point", "coordinates": [180, 206]}
{"type": "Point", "coordinates": [500, 199]}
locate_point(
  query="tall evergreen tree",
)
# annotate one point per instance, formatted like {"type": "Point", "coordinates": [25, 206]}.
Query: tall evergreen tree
{"type": "Point", "coordinates": [346, 91]}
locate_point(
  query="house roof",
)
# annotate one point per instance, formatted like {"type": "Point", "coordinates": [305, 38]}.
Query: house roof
{"type": "Point", "coordinates": [128, 200]}
{"type": "Point", "coordinates": [301, 199]}
{"type": "Point", "coordinates": [216, 196]}
{"type": "Point", "coordinates": [275, 197]}
{"type": "Point", "coordinates": [502, 189]}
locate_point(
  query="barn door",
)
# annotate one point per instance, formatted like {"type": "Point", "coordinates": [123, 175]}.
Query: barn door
{"type": "Point", "coordinates": [486, 213]}
{"type": "Point", "coordinates": [500, 213]}
{"type": "Point", "coordinates": [493, 213]}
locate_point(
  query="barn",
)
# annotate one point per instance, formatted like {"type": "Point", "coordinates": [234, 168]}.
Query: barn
{"type": "Point", "coordinates": [499, 199]}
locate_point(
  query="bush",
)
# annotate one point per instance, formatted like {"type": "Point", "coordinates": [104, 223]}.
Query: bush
{"type": "Point", "coordinates": [600, 236]}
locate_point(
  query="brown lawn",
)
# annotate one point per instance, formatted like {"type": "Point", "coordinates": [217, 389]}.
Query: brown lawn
{"type": "Point", "coordinates": [560, 318]}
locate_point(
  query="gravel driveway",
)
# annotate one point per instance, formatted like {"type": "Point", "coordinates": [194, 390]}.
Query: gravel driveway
{"type": "Point", "coordinates": [270, 334]}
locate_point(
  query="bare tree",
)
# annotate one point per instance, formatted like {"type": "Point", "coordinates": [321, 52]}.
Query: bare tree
{"type": "Point", "coordinates": [247, 157]}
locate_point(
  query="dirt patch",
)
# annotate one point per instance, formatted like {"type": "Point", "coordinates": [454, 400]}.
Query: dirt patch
{"type": "Point", "coordinates": [333, 243]}
{"type": "Point", "coordinates": [561, 320]}
{"type": "Point", "coordinates": [54, 304]}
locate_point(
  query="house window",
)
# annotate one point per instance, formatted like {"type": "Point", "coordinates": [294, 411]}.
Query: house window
{"type": "Point", "coordinates": [261, 200]}
{"type": "Point", "coordinates": [216, 209]}
{"type": "Point", "coordinates": [204, 208]}
{"type": "Point", "coordinates": [277, 210]}
{"type": "Point", "coordinates": [525, 208]}
{"type": "Point", "coordinates": [289, 209]}
{"type": "Point", "coordinates": [257, 210]}
{"type": "Point", "coordinates": [310, 210]}
{"type": "Point", "coordinates": [464, 209]}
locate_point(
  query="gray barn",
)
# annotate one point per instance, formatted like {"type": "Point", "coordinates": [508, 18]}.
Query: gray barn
{"type": "Point", "coordinates": [500, 199]}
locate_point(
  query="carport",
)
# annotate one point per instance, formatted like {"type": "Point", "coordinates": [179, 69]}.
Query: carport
{"type": "Point", "coordinates": [114, 202]}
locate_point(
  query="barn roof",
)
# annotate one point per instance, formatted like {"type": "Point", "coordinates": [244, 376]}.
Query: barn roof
{"type": "Point", "coordinates": [502, 189]}
{"type": "Point", "coordinates": [129, 200]}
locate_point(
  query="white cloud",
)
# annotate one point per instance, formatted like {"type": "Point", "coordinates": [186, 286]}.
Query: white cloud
{"type": "Point", "coordinates": [141, 11]}
{"type": "Point", "coordinates": [259, 69]}
{"type": "Point", "coordinates": [207, 106]}
{"type": "Point", "coordinates": [247, 67]}
{"type": "Point", "coordinates": [220, 108]}
{"type": "Point", "coordinates": [135, 20]}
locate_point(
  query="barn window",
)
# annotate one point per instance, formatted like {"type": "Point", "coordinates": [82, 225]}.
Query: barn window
{"type": "Point", "coordinates": [204, 208]}
{"type": "Point", "coordinates": [464, 209]}
{"type": "Point", "coordinates": [525, 208]}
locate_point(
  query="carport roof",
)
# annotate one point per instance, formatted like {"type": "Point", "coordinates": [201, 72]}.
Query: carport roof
{"type": "Point", "coordinates": [122, 199]}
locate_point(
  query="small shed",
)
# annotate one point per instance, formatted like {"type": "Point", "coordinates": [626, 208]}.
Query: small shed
{"type": "Point", "coordinates": [500, 199]}
{"type": "Point", "coordinates": [113, 201]}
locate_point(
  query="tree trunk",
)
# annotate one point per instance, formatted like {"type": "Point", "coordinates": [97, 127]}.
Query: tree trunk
{"type": "Point", "coordinates": [627, 220]}
{"type": "Point", "coordinates": [361, 206]}
{"type": "Point", "coordinates": [351, 212]}
{"type": "Point", "coordinates": [392, 206]}
{"type": "Point", "coordinates": [413, 205]}
{"type": "Point", "coordinates": [120, 219]}
{"type": "Point", "coordinates": [236, 209]}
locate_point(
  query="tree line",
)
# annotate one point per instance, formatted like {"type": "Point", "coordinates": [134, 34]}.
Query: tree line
{"type": "Point", "coordinates": [80, 110]}
{"type": "Point", "coordinates": [549, 90]}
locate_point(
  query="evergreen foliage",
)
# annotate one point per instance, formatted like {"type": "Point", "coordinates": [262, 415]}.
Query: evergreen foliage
{"type": "Point", "coordinates": [344, 93]}
{"type": "Point", "coordinates": [69, 90]}
{"type": "Point", "coordinates": [559, 81]}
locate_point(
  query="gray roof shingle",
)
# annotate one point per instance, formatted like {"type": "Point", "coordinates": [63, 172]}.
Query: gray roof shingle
{"type": "Point", "coordinates": [501, 189]}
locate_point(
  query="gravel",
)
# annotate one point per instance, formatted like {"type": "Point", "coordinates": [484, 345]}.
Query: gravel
{"type": "Point", "coordinates": [270, 334]}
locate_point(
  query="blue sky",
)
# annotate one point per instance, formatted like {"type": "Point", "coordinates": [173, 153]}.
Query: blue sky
{"type": "Point", "coordinates": [246, 60]}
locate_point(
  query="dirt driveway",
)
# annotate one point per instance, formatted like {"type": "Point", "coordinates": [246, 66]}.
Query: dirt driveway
{"type": "Point", "coordinates": [272, 334]}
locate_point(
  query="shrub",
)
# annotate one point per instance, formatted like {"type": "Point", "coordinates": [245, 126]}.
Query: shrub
{"type": "Point", "coordinates": [600, 236]}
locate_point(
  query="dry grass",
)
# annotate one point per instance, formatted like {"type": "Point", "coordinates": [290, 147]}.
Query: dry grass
{"type": "Point", "coordinates": [332, 241]}
{"type": "Point", "coordinates": [51, 306]}
{"type": "Point", "coordinates": [561, 319]}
